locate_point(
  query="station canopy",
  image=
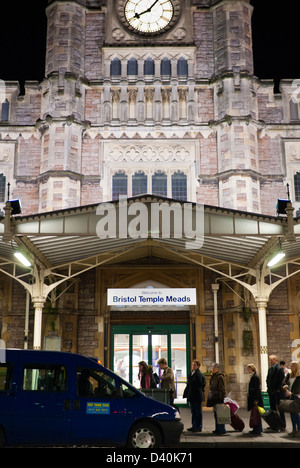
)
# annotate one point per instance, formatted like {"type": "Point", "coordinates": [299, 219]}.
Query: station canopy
{"type": "Point", "coordinates": [108, 233]}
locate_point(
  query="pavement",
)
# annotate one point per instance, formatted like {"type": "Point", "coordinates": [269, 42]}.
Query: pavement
{"type": "Point", "coordinates": [206, 439]}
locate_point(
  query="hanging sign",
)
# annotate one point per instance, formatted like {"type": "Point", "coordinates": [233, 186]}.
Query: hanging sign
{"type": "Point", "coordinates": [151, 296]}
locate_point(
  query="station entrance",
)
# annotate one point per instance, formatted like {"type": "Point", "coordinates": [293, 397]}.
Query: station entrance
{"type": "Point", "coordinates": [131, 344]}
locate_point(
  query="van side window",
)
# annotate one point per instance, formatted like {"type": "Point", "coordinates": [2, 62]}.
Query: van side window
{"type": "Point", "coordinates": [44, 378]}
{"type": "Point", "coordinates": [95, 384]}
{"type": "Point", "coordinates": [5, 377]}
{"type": "Point", "coordinates": [128, 392]}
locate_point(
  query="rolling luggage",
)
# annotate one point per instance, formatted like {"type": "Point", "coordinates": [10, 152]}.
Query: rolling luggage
{"type": "Point", "coordinates": [236, 422]}
{"type": "Point", "coordinates": [273, 419]}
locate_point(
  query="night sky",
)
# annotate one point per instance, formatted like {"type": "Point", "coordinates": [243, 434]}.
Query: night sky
{"type": "Point", "coordinates": [275, 40]}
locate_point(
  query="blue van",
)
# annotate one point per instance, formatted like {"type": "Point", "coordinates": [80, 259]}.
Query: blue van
{"type": "Point", "coordinates": [56, 398]}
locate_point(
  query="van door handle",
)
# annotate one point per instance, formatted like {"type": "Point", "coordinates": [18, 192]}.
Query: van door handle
{"type": "Point", "coordinates": [77, 404]}
{"type": "Point", "coordinates": [67, 404]}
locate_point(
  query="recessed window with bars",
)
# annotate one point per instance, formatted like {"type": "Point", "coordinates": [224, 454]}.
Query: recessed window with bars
{"type": "Point", "coordinates": [139, 183]}
{"type": "Point", "coordinates": [159, 183]}
{"type": "Point", "coordinates": [2, 187]}
{"type": "Point", "coordinates": [297, 186]}
{"type": "Point", "coordinates": [119, 185]}
{"type": "Point", "coordinates": [179, 186]}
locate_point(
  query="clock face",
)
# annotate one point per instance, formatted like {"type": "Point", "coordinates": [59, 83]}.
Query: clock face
{"type": "Point", "coordinates": [148, 17]}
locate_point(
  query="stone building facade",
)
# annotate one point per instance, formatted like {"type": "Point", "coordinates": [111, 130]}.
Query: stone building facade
{"type": "Point", "coordinates": [178, 113]}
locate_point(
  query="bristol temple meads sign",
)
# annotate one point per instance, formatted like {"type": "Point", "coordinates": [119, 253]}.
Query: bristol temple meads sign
{"type": "Point", "coordinates": [151, 296]}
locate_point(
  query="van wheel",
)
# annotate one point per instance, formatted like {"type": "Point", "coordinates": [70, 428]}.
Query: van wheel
{"type": "Point", "coordinates": [144, 435]}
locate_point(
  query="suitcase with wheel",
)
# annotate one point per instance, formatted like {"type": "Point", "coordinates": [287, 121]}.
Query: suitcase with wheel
{"type": "Point", "coordinates": [236, 422]}
{"type": "Point", "coordinates": [273, 419]}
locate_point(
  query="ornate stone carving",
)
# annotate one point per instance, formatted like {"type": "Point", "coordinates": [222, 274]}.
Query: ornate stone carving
{"type": "Point", "coordinates": [179, 34]}
{"type": "Point", "coordinates": [142, 53]}
{"type": "Point", "coordinates": [150, 152]}
{"type": "Point", "coordinates": [118, 34]}
{"type": "Point", "coordinates": [6, 152]}
{"type": "Point", "coordinates": [292, 149]}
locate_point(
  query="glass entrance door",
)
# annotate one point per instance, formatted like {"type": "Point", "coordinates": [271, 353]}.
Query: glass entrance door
{"type": "Point", "coordinates": [132, 344]}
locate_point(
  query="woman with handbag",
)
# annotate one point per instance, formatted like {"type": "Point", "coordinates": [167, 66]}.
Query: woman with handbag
{"type": "Point", "coordinates": [293, 392]}
{"type": "Point", "coordinates": [254, 400]}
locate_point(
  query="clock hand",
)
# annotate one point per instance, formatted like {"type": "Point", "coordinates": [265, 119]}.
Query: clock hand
{"type": "Point", "coordinates": [150, 8]}
{"type": "Point", "coordinates": [137, 15]}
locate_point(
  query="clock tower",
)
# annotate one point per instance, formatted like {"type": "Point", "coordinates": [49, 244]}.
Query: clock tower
{"type": "Point", "coordinates": [142, 104]}
{"type": "Point", "coordinates": [150, 96]}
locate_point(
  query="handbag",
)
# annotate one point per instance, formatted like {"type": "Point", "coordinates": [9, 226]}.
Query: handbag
{"type": "Point", "coordinates": [223, 414]}
{"type": "Point", "coordinates": [261, 410]}
{"type": "Point", "coordinates": [254, 417]}
{"type": "Point", "coordinates": [290, 406]}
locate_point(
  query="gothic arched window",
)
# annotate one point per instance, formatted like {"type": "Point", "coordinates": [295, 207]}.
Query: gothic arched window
{"type": "Point", "coordinates": [179, 186]}
{"type": "Point", "coordinates": [294, 110]}
{"type": "Point", "coordinates": [159, 183]}
{"type": "Point", "coordinates": [119, 185]}
{"type": "Point", "coordinates": [132, 67]}
{"type": "Point", "coordinates": [182, 66]}
{"type": "Point", "coordinates": [165, 66]}
{"type": "Point", "coordinates": [139, 183]}
{"type": "Point", "coordinates": [115, 67]}
{"type": "Point", "coordinates": [149, 66]}
{"type": "Point", "coordinates": [5, 111]}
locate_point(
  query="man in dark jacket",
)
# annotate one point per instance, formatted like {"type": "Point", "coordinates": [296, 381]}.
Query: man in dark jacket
{"type": "Point", "coordinates": [194, 394]}
{"type": "Point", "coordinates": [275, 379]}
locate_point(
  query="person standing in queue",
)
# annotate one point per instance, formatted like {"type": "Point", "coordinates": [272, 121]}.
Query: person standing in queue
{"type": "Point", "coordinates": [275, 378]}
{"type": "Point", "coordinates": [194, 395]}
{"type": "Point", "coordinates": [216, 395]}
{"type": "Point", "coordinates": [254, 397]}
{"type": "Point", "coordinates": [293, 391]}
{"type": "Point", "coordinates": [167, 379]}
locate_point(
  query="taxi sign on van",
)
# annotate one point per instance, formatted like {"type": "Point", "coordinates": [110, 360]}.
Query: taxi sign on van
{"type": "Point", "coordinates": [97, 408]}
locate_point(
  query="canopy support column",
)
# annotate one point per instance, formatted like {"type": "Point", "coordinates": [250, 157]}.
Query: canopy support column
{"type": "Point", "coordinates": [38, 304]}
{"type": "Point", "coordinates": [215, 288]}
{"type": "Point", "coordinates": [263, 342]}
